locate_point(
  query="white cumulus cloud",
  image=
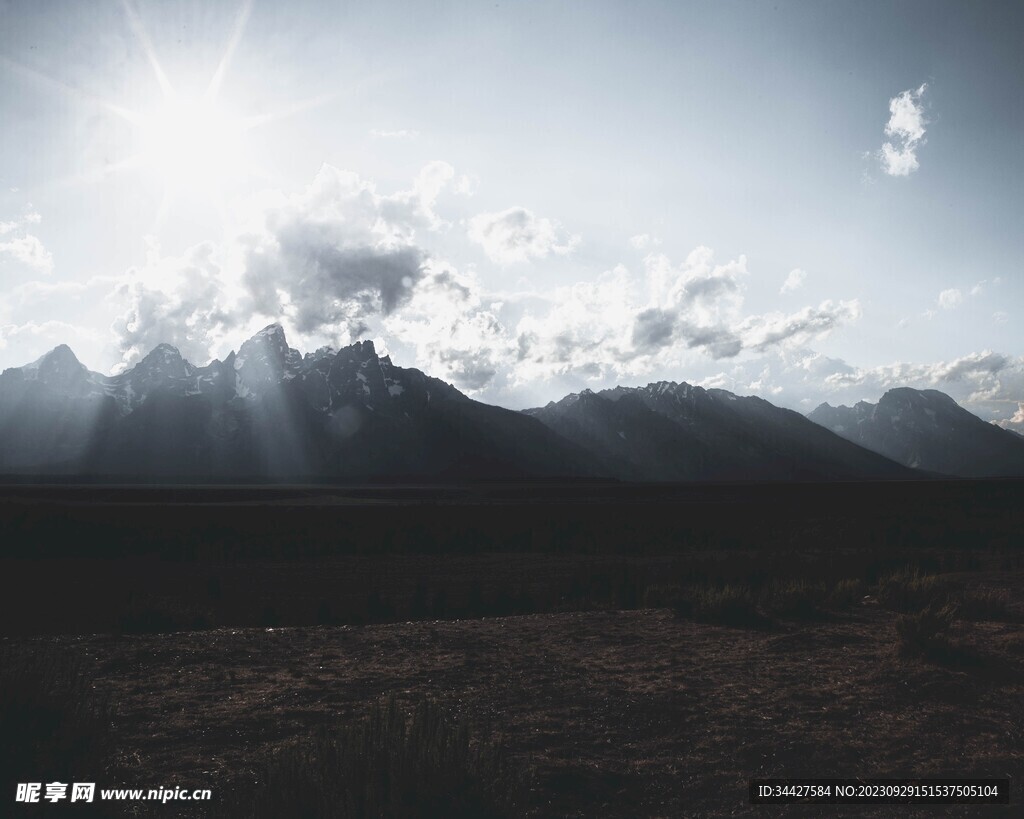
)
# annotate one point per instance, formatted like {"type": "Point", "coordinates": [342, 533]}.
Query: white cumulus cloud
{"type": "Point", "coordinates": [906, 130]}
{"type": "Point", "coordinates": [643, 241]}
{"type": "Point", "coordinates": [794, 281]}
{"type": "Point", "coordinates": [948, 299]}
{"type": "Point", "coordinates": [519, 235]}
{"type": "Point", "coordinates": [22, 247]}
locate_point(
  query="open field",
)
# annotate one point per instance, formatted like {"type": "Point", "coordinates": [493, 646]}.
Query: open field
{"type": "Point", "coordinates": [618, 713]}
{"type": "Point", "coordinates": [630, 654]}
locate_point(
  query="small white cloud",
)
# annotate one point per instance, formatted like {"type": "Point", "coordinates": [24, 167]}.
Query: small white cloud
{"type": "Point", "coordinates": [467, 184]}
{"type": "Point", "coordinates": [948, 299]}
{"type": "Point", "coordinates": [999, 317]}
{"type": "Point", "coordinates": [518, 235]}
{"type": "Point", "coordinates": [23, 247]}
{"type": "Point", "coordinates": [794, 281]}
{"type": "Point", "coordinates": [403, 133]}
{"type": "Point", "coordinates": [906, 129]}
{"type": "Point", "coordinates": [643, 241]}
{"type": "Point", "coordinates": [28, 251]}
{"type": "Point", "coordinates": [1016, 421]}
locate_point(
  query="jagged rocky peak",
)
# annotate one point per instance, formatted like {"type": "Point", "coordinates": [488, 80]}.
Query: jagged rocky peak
{"type": "Point", "coordinates": [59, 368]}
{"type": "Point", "coordinates": [672, 390]}
{"type": "Point", "coordinates": [59, 359]}
{"type": "Point", "coordinates": [165, 359]}
{"type": "Point", "coordinates": [266, 357]}
{"type": "Point", "coordinates": [583, 398]}
{"type": "Point", "coordinates": [327, 351]}
{"type": "Point", "coordinates": [679, 390]}
{"type": "Point", "coordinates": [576, 397]}
{"type": "Point", "coordinates": [270, 340]}
{"type": "Point", "coordinates": [358, 351]}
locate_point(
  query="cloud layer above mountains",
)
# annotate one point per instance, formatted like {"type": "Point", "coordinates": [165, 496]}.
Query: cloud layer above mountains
{"type": "Point", "coordinates": [340, 260]}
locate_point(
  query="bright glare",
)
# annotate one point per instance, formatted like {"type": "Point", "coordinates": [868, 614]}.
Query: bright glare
{"type": "Point", "coordinates": [193, 144]}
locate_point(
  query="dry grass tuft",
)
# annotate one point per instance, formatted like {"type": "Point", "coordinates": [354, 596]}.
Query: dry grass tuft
{"type": "Point", "coordinates": [419, 763]}
{"type": "Point", "coordinates": [52, 723]}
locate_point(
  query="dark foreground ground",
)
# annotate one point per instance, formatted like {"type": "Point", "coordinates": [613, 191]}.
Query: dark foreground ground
{"type": "Point", "coordinates": [579, 633]}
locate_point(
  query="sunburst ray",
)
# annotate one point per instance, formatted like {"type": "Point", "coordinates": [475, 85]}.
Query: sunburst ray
{"type": "Point", "coordinates": [236, 37]}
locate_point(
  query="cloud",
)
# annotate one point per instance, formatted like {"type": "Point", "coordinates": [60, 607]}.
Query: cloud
{"type": "Point", "coordinates": [53, 332]}
{"type": "Point", "coordinates": [466, 184]}
{"type": "Point", "coordinates": [948, 299]}
{"type": "Point", "coordinates": [985, 382]}
{"type": "Point", "coordinates": [653, 328]}
{"type": "Point", "coordinates": [626, 325]}
{"type": "Point", "coordinates": [24, 248]}
{"type": "Point", "coordinates": [794, 281]}
{"type": "Point", "coordinates": [190, 314]}
{"type": "Point", "coordinates": [906, 130]}
{"type": "Point", "coordinates": [29, 251]}
{"type": "Point", "coordinates": [402, 133]}
{"type": "Point", "coordinates": [975, 363]}
{"type": "Point", "coordinates": [989, 384]}
{"type": "Point", "coordinates": [454, 328]}
{"type": "Point", "coordinates": [519, 235]}
{"type": "Point", "coordinates": [339, 253]}
{"type": "Point", "coordinates": [985, 363]}
{"type": "Point", "coordinates": [717, 342]}
{"type": "Point", "coordinates": [761, 332]}
{"type": "Point", "coordinates": [643, 241]}
{"type": "Point", "coordinates": [1015, 421]}
{"type": "Point", "coordinates": [339, 260]}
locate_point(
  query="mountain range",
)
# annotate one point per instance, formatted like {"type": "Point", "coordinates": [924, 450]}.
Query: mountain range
{"type": "Point", "coordinates": [928, 430]}
{"type": "Point", "coordinates": [270, 412]}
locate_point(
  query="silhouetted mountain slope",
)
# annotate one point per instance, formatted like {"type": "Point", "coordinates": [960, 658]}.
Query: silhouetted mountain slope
{"type": "Point", "coordinates": [266, 411]}
{"type": "Point", "coordinates": [269, 411]}
{"type": "Point", "coordinates": [927, 429]}
{"type": "Point", "coordinates": [671, 431]}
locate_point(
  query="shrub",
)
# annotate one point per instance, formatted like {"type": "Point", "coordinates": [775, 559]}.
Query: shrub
{"type": "Point", "coordinates": [727, 605]}
{"type": "Point", "coordinates": [846, 593]}
{"type": "Point", "coordinates": [909, 591]}
{"type": "Point", "coordinates": [660, 595]}
{"type": "Point", "coordinates": [390, 763]}
{"type": "Point", "coordinates": [927, 632]}
{"type": "Point", "coordinates": [985, 604]}
{"type": "Point", "coordinates": [796, 599]}
{"type": "Point", "coordinates": [53, 725]}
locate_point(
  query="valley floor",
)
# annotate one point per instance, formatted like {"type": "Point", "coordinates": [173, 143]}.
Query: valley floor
{"type": "Point", "coordinates": [632, 713]}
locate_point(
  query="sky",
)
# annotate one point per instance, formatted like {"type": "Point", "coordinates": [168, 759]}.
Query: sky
{"type": "Point", "coordinates": [803, 201]}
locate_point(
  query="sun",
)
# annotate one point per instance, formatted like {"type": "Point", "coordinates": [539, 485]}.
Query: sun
{"type": "Point", "coordinates": [196, 146]}
{"type": "Point", "coordinates": [193, 144]}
